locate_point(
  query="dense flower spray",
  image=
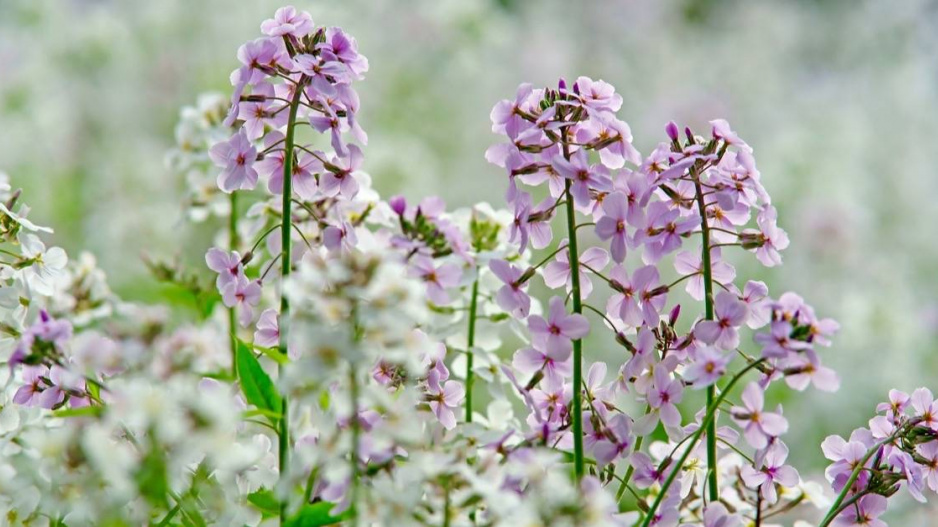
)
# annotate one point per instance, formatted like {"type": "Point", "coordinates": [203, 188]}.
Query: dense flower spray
{"type": "Point", "coordinates": [368, 362]}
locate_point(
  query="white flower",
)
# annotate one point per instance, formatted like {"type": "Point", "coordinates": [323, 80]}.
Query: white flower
{"type": "Point", "coordinates": [46, 264]}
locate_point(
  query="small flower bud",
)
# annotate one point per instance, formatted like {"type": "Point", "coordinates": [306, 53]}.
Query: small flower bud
{"type": "Point", "coordinates": [398, 204]}
{"type": "Point", "coordinates": [675, 313]}
{"type": "Point", "coordinates": [672, 131]}
{"type": "Point", "coordinates": [248, 256]}
{"type": "Point", "coordinates": [562, 84]}
{"type": "Point", "coordinates": [690, 135]}
{"type": "Point", "coordinates": [527, 275]}
{"type": "Point", "coordinates": [538, 375]}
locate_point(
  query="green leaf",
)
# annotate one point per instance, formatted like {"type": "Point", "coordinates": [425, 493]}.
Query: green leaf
{"type": "Point", "coordinates": [258, 389]}
{"type": "Point", "coordinates": [151, 477]}
{"type": "Point", "coordinates": [85, 411]}
{"type": "Point", "coordinates": [316, 515]}
{"type": "Point", "coordinates": [265, 501]}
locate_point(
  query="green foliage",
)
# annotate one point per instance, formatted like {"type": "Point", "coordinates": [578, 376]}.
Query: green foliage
{"type": "Point", "coordinates": [258, 389]}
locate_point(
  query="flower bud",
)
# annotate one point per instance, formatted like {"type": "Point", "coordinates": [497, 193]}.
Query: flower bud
{"type": "Point", "coordinates": [527, 275]}
{"type": "Point", "coordinates": [398, 204]}
{"type": "Point", "coordinates": [562, 84]}
{"type": "Point", "coordinates": [675, 313]}
{"type": "Point", "coordinates": [672, 131]}
{"type": "Point", "coordinates": [248, 256]}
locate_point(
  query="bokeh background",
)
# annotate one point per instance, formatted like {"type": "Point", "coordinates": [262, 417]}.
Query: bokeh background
{"type": "Point", "coordinates": [838, 97]}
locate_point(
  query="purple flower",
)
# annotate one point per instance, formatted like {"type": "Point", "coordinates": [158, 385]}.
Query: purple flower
{"type": "Point", "coordinates": [555, 365]}
{"type": "Point", "coordinates": [320, 69]}
{"type": "Point", "coordinates": [646, 471]}
{"type": "Point", "coordinates": [773, 470]}
{"type": "Point", "coordinates": [898, 402]}
{"type": "Point", "coordinates": [242, 294]}
{"type": "Point", "coordinates": [805, 368]}
{"type": "Point", "coordinates": [557, 273]}
{"type": "Point", "coordinates": [721, 130]}
{"type": "Point", "coordinates": [611, 227]}
{"type": "Point", "coordinates": [929, 453]}
{"type": "Point", "coordinates": [28, 393]}
{"type": "Point", "coordinates": [236, 156]}
{"type": "Point", "coordinates": [555, 334]}
{"type": "Point", "coordinates": [583, 176]}
{"type": "Point", "coordinates": [846, 455]}
{"type": "Point", "coordinates": [866, 513]}
{"type": "Point", "coordinates": [708, 366]}
{"type": "Point", "coordinates": [438, 279]}
{"type": "Point", "coordinates": [339, 237]}
{"type": "Point", "coordinates": [443, 399]}
{"type": "Point", "coordinates": [511, 296]}
{"type": "Point", "coordinates": [340, 179]}
{"type": "Point", "coordinates": [617, 442]}
{"type": "Point", "coordinates": [643, 356]}
{"type": "Point", "coordinates": [288, 21]}
{"type": "Point", "coordinates": [638, 299]}
{"type": "Point", "coordinates": [716, 515]}
{"type": "Point", "coordinates": [226, 264]}
{"type": "Point", "coordinates": [768, 240]}
{"type": "Point", "coordinates": [925, 407]}
{"type": "Point", "coordinates": [663, 230]}
{"type": "Point", "coordinates": [778, 343]}
{"type": "Point", "coordinates": [758, 426]}
{"type": "Point", "coordinates": [729, 314]}
{"type": "Point", "coordinates": [663, 396]}
{"type": "Point", "coordinates": [689, 264]}
{"type": "Point", "coordinates": [268, 329]}
{"type": "Point", "coordinates": [506, 116]}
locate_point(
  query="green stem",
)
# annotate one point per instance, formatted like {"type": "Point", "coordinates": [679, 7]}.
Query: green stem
{"type": "Point", "coordinates": [285, 240]}
{"type": "Point", "coordinates": [233, 243]}
{"type": "Point", "coordinates": [836, 508]}
{"type": "Point", "coordinates": [714, 490]}
{"type": "Point", "coordinates": [708, 418]}
{"type": "Point", "coordinates": [470, 342]}
{"type": "Point", "coordinates": [631, 470]}
{"type": "Point", "coordinates": [574, 258]}
{"type": "Point", "coordinates": [356, 439]}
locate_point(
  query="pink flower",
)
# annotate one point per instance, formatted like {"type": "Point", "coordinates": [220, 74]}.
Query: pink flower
{"type": "Point", "coordinates": [708, 366]}
{"type": "Point", "coordinates": [511, 296]}
{"type": "Point", "coordinates": [688, 263]}
{"type": "Point", "coordinates": [28, 394]}
{"type": "Point", "coordinates": [438, 279]}
{"type": "Point", "coordinates": [557, 273]}
{"type": "Point", "coordinates": [805, 368]}
{"type": "Point", "coordinates": [268, 329]}
{"type": "Point", "coordinates": [638, 299]}
{"type": "Point", "coordinates": [866, 513]}
{"type": "Point", "coordinates": [236, 156]}
{"type": "Point", "coordinates": [663, 396]}
{"type": "Point", "coordinates": [721, 130]}
{"type": "Point", "coordinates": [612, 226]}
{"type": "Point", "coordinates": [925, 406]}
{"type": "Point", "coordinates": [226, 264]}
{"type": "Point", "coordinates": [729, 314]}
{"type": "Point", "coordinates": [555, 365]}
{"type": "Point", "coordinates": [773, 470]}
{"type": "Point", "coordinates": [443, 399]}
{"type": "Point", "coordinates": [617, 442]}
{"type": "Point", "coordinates": [768, 240]}
{"type": "Point", "coordinates": [339, 237]}
{"type": "Point", "coordinates": [758, 426]}
{"type": "Point", "coordinates": [646, 471]}
{"type": "Point", "coordinates": [929, 452]}
{"type": "Point", "coordinates": [716, 515]}
{"type": "Point", "coordinates": [555, 334]}
{"type": "Point", "coordinates": [242, 294]}
{"type": "Point", "coordinates": [584, 177]}
{"type": "Point", "coordinates": [288, 21]}
{"type": "Point", "coordinates": [340, 179]}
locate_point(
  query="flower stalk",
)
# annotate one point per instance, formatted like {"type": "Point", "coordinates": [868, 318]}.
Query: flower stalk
{"type": "Point", "coordinates": [470, 342]}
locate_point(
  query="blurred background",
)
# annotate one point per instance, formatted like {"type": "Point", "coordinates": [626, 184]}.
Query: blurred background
{"type": "Point", "coordinates": [839, 98]}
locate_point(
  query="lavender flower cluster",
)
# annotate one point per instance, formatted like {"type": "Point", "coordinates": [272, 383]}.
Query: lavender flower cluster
{"type": "Point", "coordinates": [345, 363]}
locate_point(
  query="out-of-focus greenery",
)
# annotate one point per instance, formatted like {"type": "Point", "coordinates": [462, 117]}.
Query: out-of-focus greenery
{"type": "Point", "coordinates": [839, 99]}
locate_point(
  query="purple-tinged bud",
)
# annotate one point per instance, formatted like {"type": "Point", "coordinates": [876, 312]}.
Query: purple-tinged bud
{"type": "Point", "coordinates": [672, 130]}
{"type": "Point", "coordinates": [576, 88]}
{"type": "Point", "coordinates": [527, 275]}
{"type": "Point", "coordinates": [536, 378]}
{"type": "Point", "coordinates": [690, 135]}
{"type": "Point", "coordinates": [562, 84]}
{"type": "Point", "coordinates": [398, 204]}
{"type": "Point", "coordinates": [248, 256]}
{"type": "Point", "coordinates": [624, 341]}
{"type": "Point", "coordinates": [676, 312]}
{"type": "Point", "coordinates": [660, 290]}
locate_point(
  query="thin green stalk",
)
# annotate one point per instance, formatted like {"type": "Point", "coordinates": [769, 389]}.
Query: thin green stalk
{"type": "Point", "coordinates": [631, 470]}
{"type": "Point", "coordinates": [836, 507]}
{"type": "Point", "coordinates": [708, 418]}
{"type": "Point", "coordinates": [356, 438]}
{"type": "Point", "coordinates": [233, 243]}
{"type": "Point", "coordinates": [286, 260]}
{"type": "Point", "coordinates": [579, 468]}
{"type": "Point", "coordinates": [470, 342]}
{"type": "Point", "coordinates": [714, 490]}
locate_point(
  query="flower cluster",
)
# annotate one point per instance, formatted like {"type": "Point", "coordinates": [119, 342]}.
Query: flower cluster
{"type": "Point", "coordinates": [390, 363]}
